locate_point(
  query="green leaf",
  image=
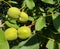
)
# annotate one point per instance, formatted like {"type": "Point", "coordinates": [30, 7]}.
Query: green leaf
{"type": "Point", "coordinates": [35, 46]}
{"type": "Point", "coordinates": [22, 43]}
{"type": "Point", "coordinates": [30, 4]}
{"type": "Point", "coordinates": [40, 23]}
{"type": "Point", "coordinates": [30, 44]}
{"type": "Point", "coordinates": [31, 18]}
{"type": "Point", "coordinates": [56, 21]}
{"type": "Point", "coordinates": [51, 9]}
{"type": "Point", "coordinates": [41, 9]}
{"type": "Point", "coordinates": [52, 44]}
{"type": "Point", "coordinates": [14, 47]}
{"type": "Point", "coordinates": [55, 15]}
{"type": "Point", "coordinates": [3, 42]}
{"type": "Point", "coordinates": [59, 45]}
{"type": "Point", "coordinates": [49, 1]}
{"type": "Point", "coordinates": [11, 25]}
{"type": "Point", "coordinates": [14, 2]}
{"type": "Point", "coordinates": [1, 0]}
{"type": "Point", "coordinates": [57, 37]}
{"type": "Point", "coordinates": [13, 21]}
{"type": "Point", "coordinates": [56, 45]}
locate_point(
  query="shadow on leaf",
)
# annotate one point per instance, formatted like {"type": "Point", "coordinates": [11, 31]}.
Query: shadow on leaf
{"type": "Point", "coordinates": [33, 40]}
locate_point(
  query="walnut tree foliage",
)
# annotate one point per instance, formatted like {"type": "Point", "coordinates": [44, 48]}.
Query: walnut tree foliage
{"type": "Point", "coordinates": [44, 21]}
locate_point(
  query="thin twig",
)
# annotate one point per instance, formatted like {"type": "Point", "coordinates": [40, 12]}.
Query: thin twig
{"type": "Point", "coordinates": [23, 6]}
{"type": "Point", "coordinates": [7, 3]}
{"type": "Point", "coordinates": [32, 24]}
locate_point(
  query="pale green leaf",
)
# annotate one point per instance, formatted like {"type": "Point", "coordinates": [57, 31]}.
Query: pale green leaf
{"type": "Point", "coordinates": [14, 2]}
{"type": "Point", "coordinates": [3, 42]}
{"type": "Point", "coordinates": [49, 1]}
{"type": "Point", "coordinates": [31, 18]}
{"type": "Point", "coordinates": [30, 4]}
{"type": "Point", "coordinates": [50, 44]}
{"type": "Point", "coordinates": [54, 16]}
{"type": "Point", "coordinates": [41, 9]}
{"type": "Point", "coordinates": [11, 25]}
{"type": "Point", "coordinates": [13, 21]}
{"type": "Point", "coordinates": [51, 9]}
{"type": "Point", "coordinates": [40, 23]}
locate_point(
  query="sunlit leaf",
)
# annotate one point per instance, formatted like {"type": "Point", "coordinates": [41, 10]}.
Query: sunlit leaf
{"type": "Point", "coordinates": [49, 1]}
{"type": "Point", "coordinates": [40, 23]}
{"type": "Point", "coordinates": [31, 18]}
{"type": "Point", "coordinates": [14, 2]}
{"type": "Point", "coordinates": [3, 42]}
{"type": "Point", "coordinates": [51, 9]}
{"type": "Point", "coordinates": [52, 44]}
{"type": "Point", "coordinates": [11, 25]}
{"type": "Point", "coordinates": [30, 4]}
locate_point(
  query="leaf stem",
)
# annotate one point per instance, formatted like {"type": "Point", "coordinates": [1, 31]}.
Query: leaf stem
{"type": "Point", "coordinates": [7, 3]}
{"type": "Point", "coordinates": [23, 6]}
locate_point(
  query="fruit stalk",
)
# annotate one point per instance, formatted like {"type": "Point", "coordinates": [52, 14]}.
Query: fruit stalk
{"type": "Point", "coordinates": [32, 24]}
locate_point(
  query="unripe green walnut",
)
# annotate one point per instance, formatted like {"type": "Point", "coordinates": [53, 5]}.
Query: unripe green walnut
{"type": "Point", "coordinates": [13, 12]}
{"type": "Point", "coordinates": [24, 32]}
{"type": "Point", "coordinates": [11, 34]}
{"type": "Point", "coordinates": [23, 17]}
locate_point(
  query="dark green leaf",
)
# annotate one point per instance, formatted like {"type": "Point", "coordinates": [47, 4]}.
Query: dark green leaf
{"type": "Point", "coordinates": [56, 21]}
{"type": "Point", "coordinates": [29, 44]}
{"type": "Point", "coordinates": [56, 45]}
{"type": "Point", "coordinates": [3, 42]}
{"type": "Point", "coordinates": [32, 43]}
{"type": "Point", "coordinates": [22, 43]}
{"type": "Point", "coordinates": [40, 23]}
{"type": "Point", "coordinates": [57, 37]}
{"type": "Point", "coordinates": [14, 47]}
